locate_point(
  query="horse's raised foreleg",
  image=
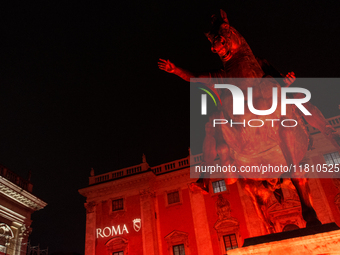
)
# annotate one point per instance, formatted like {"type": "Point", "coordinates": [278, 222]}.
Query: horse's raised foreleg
{"type": "Point", "coordinates": [257, 201]}
{"type": "Point", "coordinates": [308, 213]}
{"type": "Point", "coordinates": [287, 142]}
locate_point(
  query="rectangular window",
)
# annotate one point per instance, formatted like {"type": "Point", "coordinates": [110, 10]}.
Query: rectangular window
{"type": "Point", "coordinates": [117, 204]}
{"type": "Point", "coordinates": [230, 242]}
{"type": "Point", "coordinates": [173, 197]}
{"type": "Point", "coordinates": [118, 253]}
{"type": "Point", "coordinates": [219, 186]}
{"type": "Point", "coordinates": [179, 249]}
{"type": "Point", "coordinates": [332, 158]}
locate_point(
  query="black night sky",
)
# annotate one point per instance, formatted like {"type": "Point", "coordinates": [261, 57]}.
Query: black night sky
{"type": "Point", "coordinates": [80, 86]}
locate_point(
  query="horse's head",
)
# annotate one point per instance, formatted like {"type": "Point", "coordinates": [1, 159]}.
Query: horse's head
{"type": "Point", "coordinates": [225, 40]}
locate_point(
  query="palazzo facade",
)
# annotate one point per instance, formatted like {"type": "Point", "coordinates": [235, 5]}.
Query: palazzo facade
{"type": "Point", "coordinates": [152, 210]}
{"type": "Point", "coordinates": [17, 203]}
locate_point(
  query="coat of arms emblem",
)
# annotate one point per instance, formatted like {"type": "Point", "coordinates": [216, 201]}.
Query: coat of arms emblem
{"type": "Point", "coordinates": [137, 224]}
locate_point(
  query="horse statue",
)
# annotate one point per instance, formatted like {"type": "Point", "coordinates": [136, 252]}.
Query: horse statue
{"type": "Point", "coordinates": [243, 146]}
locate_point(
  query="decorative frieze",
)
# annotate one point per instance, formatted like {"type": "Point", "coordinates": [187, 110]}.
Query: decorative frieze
{"type": "Point", "coordinates": [16, 193]}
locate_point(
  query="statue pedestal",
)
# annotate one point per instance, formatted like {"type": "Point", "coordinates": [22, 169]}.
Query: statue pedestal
{"type": "Point", "coordinates": [324, 239]}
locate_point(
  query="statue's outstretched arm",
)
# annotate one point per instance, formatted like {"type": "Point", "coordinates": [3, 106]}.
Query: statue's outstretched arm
{"type": "Point", "coordinates": [289, 79]}
{"type": "Point", "coordinates": [170, 67]}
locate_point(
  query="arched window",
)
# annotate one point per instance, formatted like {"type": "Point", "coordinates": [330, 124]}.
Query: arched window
{"type": "Point", "coordinates": [6, 234]}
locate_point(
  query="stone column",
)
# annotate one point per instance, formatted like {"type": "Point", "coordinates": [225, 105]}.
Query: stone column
{"type": "Point", "coordinates": [90, 236]}
{"type": "Point", "coordinates": [199, 215]}
{"type": "Point", "coordinates": [149, 230]}
{"type": "Point", "coordinates": [158, 225]}
{"type": "Point", "coordinates": [24, 232]}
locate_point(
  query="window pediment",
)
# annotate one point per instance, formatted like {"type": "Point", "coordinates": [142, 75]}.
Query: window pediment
{"type": "Point", "coordinates": [226, 225]}
{"type": "Point", "coordinates": [117, 244]}
{"type": "Point", "coordinates": [176, 237]}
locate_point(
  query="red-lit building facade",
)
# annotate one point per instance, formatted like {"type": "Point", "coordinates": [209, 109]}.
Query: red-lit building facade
{"type": "Point", "coordinates": [152, 210]}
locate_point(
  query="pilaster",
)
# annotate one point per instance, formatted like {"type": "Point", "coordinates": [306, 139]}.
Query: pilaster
{"type": "Point", "coordinates": [149, 230]}
{"type": "Point", "coordinates": [90, 236]}
{"type": "Point", "coordinates": [199, 215]}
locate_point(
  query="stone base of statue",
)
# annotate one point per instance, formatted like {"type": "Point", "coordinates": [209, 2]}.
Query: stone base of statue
{"type": "Point", "coordinates": [323, 239]}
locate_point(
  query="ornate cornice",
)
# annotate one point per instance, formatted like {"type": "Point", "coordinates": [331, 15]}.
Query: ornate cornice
{"type": "Point", "coordinates": [15, 193]}
{"type": "Point", "coordinates": [11, 215]}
